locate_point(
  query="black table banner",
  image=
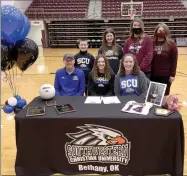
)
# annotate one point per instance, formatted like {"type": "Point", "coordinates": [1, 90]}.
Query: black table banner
{"type": "Point", "coordinates": [98, 139]}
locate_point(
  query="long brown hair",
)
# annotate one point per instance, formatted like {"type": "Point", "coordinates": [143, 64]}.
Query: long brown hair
{"type": "Point", "coordinates": [135, 70]}
{"type": "Point", "coordinates": [95, 69]}
{"type": "Point", "coordinates": [167, 40]}
{"type": "Point", "coordinates": [104, 43]}
{"type": "Point", "coordinates": [131, 26]}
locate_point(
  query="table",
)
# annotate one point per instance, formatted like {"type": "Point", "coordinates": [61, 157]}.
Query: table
{"type": "Point", "coordinates": [76, 143]}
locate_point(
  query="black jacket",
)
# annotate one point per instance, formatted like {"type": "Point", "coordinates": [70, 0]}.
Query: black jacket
{"type": "Point", "coordinates": [100, 86]}
{"type": "Point", "coordinates": [84, 61]}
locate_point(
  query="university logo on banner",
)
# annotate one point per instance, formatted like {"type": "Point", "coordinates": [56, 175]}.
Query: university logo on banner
{"type": "Point", "coordinates": [95, 143]}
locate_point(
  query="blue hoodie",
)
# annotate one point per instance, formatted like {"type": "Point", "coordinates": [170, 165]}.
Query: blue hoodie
{"type": "Point", "coordinates": [69, 84]}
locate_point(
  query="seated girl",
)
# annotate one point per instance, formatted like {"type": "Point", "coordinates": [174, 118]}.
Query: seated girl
{"type": "Point", "coordinates": [101, 79]}
{"type": "Point", "coordinates": [130, 80]}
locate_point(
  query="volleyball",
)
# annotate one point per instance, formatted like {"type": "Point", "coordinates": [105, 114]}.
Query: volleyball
{"type": "Point", "coordinates": [47, 91]}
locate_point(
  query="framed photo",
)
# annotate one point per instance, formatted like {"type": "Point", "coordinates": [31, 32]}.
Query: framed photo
{"type": "Point", "coordinates": [35, 111]}
{"type": "Point", "coordinates": [162, 112]}
{"type": "Point", "coordinates": [65, 108]}
{"type": "Point", "coordinates": [155, 93]}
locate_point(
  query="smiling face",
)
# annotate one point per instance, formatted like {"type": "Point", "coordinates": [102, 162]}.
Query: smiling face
{"type": "Point", "coordinates": [109, 38]}
{"type": "Point", "coordinates": [69, 63]}
{"type": "Point", "coordinates": [83, 45]}
{"type": "Point", "coordinates": [101, 64]}
{"type": "Point", "coordinates": [128, 64]}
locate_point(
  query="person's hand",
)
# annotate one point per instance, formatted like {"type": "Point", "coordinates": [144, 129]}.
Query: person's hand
{"type": "Point", "coordinates": [171, 79]}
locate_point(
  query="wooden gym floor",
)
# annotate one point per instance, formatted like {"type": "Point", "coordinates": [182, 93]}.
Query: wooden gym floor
{"type": "Point", "coordinates": [40, 73]}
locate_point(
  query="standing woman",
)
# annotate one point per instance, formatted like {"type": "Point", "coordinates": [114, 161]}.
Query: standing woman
{"type": "Point", "coordinates": [130, 80]}
{"type": "Point", "coordinates": [111, 49]}
{"type": "Point", "coordinates": [165, 57]}
{"type": "Point", "coordinates": [100, 79]}
{"type": "Point", "coordinates": [141, 45]}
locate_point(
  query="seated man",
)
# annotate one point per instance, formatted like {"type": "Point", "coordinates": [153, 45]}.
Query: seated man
{"type": "Point", "coordinates": [69, 81]}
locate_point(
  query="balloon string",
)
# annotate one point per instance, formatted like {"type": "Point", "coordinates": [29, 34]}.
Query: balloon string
{"type": "Point", "coordinates": [13, 80]}
{"type": "Point", "coordinates": [17, 81]}
{"type": "Point", "coordinates": [10, 80]}
{"type": "Point", "coordinates": [13, 89]}
{"type": "Point", "coordinates": [7, 79]}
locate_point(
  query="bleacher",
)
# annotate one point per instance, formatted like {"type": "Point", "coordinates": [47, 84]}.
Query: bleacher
{"type": "Point", "coordinates": [66, 34]}
{"type": "Point", "coordinates": [66, 20]}
{"type": "Point", "coordinates": [151, 9]}
{"type": "Point", "coordinates": [57, 9]}
{"type": "Point", "coordinates": [73, 9]}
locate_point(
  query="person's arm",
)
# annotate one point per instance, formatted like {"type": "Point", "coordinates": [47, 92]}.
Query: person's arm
{"type": "Point", "coordinates": [57, 85]}
{"type": "Point", "coordinates": [149, 54]}
{"type": "Point", "coordinates": [143, 83]}
{"type": "Point", "coordinates": [91, 85]}
{"type": "Point", "coordinates": [81, 85]}
{"type": "Point", "coordinates": [100, 50]}
{"type": "Point", "coordinates": [92, 62]}
{"type": "Point", "coordinates": [120, 50]}
{"type": "Point", "coordinates": [111, 86]}
{"type": "Point", "coordinates": [174, 58]}
{"type": "Point", "coordinates": [117, 85]}
{"type": "Point", "coordinates": [125, 47]}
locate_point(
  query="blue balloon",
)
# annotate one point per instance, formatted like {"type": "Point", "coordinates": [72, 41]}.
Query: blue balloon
{"type": "Point", "coordinates": [17, 110]}
{"type": "Point", "coordinates": [12, 23]}
{"type": "Point", "coordinates": [26, 28]}
{"type": "Point", "coordinates": [8, 109]}
{"type": "Point", "coordinates": [21, 103]}
{"type": "Point", "coordinates": [17, 97]}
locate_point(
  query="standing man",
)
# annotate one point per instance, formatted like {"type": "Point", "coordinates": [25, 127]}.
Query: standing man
{"type": "Point", "coordinates": [84, 60]}
{"type": "Point", "coordinates": [69, 81]}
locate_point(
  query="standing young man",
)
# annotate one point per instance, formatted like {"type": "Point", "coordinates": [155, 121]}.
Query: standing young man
{"type": "Point", "coordinates": [69, 81]}
{"type": "Point", "coordinates": [84, 60]}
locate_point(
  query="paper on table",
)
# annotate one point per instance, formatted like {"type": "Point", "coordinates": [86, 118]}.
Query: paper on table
{"type": "Point", "coordinates": [93, 100]}
{"type": "Point", "coordinates": [110, 100]}
{"type": "Point", "coordinates": [137, 108]}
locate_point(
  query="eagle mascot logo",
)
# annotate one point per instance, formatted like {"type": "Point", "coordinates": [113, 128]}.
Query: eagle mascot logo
{"type": "Point", "coordinates": [95, 143]}
{"type": "Point", "coordinates": [96, 135]}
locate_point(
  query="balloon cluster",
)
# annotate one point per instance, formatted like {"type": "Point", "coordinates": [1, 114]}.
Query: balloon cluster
{"type": "Point", "coordinates": [14, 104]}
{"type": "Point", "coordinates": [17, 51]}
{"type": "Point", "coordinates": [15, 25]}
{"type": "Point", "coordinates": [15, 47]}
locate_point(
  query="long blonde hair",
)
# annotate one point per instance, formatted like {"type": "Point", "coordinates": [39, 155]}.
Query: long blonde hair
{"type": "Point", "coordinates": [168, 39]}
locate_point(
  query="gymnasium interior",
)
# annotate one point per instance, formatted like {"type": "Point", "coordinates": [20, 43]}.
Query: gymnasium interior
{"type": "Point", "coordinates": [57, 26]}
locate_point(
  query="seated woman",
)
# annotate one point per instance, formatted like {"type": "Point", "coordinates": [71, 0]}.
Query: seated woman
{"type": "Point", "coordinates": [130, 80]}
{"type": "Point", "coordinates": [100, 79]}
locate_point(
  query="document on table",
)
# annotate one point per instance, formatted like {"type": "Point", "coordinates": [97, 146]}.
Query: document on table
{"type": "Point", "coordinates": [137, 108]}
{"type": "Point", "coordinates": [110, 100]}
{"type": "Point", "coordinates": [93, 100]}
